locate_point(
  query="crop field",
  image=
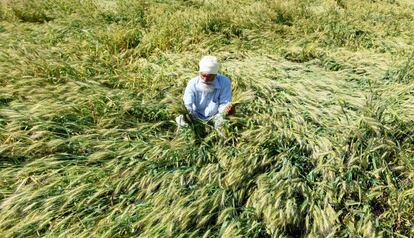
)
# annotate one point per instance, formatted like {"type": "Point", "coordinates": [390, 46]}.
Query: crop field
{"type": "Point", "coordinates": [321, 144]}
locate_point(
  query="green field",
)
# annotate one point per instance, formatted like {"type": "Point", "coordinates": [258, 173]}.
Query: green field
{"type": "Point", "coordinates": [321, 145]}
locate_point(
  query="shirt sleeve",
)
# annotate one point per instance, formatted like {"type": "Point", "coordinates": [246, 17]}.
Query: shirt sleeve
{"type": "Point", "coordinates": [225, 96]}
{"type": "Point", "coordinates": [189, 97]}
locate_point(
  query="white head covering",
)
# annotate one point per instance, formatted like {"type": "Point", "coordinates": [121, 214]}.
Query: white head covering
{"type": "Point", "coordinates": [208, 64]}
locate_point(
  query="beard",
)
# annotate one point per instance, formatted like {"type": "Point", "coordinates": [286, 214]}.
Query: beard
{"type": "Point", "coordinates": [204, 87]}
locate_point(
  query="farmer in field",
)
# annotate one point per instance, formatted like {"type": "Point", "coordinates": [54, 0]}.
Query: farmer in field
{"type": "Point", "coordinates": [207, 97]}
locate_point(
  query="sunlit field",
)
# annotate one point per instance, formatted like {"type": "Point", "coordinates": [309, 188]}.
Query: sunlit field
{"type": "Point", "coordinates": [321, 144]}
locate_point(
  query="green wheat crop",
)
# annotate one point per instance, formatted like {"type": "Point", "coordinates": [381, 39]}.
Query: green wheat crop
{"type": "Point", "coordinates": [321, 144]}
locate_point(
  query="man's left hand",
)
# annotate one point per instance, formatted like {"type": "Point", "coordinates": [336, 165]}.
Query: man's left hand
{"type": "Point", "coordinates": [229, 109]}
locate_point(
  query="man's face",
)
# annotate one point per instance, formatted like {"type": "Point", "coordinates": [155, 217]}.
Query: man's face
{"type": "Point", "coordinates": [207, 78]}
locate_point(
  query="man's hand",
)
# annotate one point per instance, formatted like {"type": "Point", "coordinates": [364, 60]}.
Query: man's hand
{"type": "Point", "coordinates": [229, 110]}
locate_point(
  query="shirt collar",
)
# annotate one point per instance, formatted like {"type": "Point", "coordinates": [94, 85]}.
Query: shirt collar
{"type": "Point", "coordinates": [216, 83]}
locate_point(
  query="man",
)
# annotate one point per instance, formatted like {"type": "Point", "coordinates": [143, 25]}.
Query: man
{"type": "Point", "coordinates": [207, 97]}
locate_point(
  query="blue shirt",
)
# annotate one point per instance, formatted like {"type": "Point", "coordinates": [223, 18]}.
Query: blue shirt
{"type": "Point", "coordinates": [205, 105]}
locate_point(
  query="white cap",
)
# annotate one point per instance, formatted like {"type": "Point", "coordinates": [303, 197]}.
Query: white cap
{"type": "Point", "coordinates": [208, 64]}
